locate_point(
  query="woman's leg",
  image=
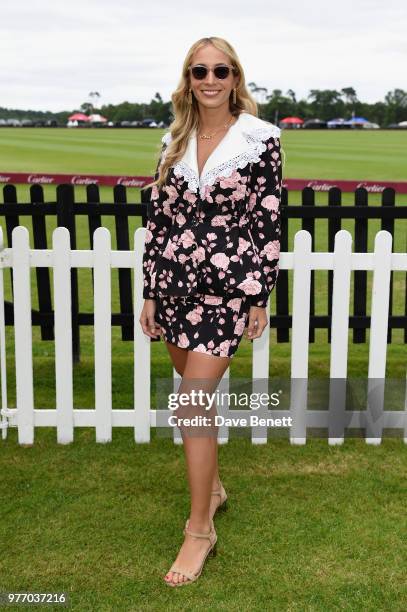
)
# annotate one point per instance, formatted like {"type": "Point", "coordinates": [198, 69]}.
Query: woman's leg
{"type": "Point", "coordinates": [179, 358]}
{"type": "Point", "coordinates": [201, 372]}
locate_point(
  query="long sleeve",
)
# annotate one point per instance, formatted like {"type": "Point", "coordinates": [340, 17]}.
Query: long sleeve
{"type": "Point", "coordinates": [159, 221]}
{"type": "Point", "coordinates": [265, 217]}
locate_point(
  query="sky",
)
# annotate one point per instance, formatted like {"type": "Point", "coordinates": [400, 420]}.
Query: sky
{"type": "Point", "coordinates": [54, 53]}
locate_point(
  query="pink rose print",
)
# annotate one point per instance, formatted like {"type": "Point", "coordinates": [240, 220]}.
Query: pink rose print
{"type": "Point", "coordinates": [250, 286]}
{"type": "Point", "coordinates": [230, 181]}
{"type": "Point", "coordinates": [183, 340]}
{"type": "Point", "coordinates": [206, 193]}
{"type": "Point", "coordinates": [220, 260]}
{"type": "Point", "coordinates": [235, 304]}
{"type": "Point", "coordinates": [224, 347]}
{"type": "Point", "coordinates": [201, 349]}
{"type": "Point", "coordinates": [211, 236]}
{"type": "Point", "coordinates": [190, 197]}
{"type": "Point", "coordinates": [149, 236]}
{"type": "Point", "coordinates": [180, 219]}
{"type": "Point", "coordinates": [167, 209]}
{"type": "Point", "coordinates": [243, 245]}
{"type": "Point", "coordinates": [239, 327]}
{"type": "Point", "coordinates": [194, 317]}
{"type": "Point", "coordinates": [198, 255]}
{"type": "Point", "coordinates": [213, 299]}
{"type": "Point", "coordinates": [172, 193]}
{"type": "Point", "coordinates": [187, 238]}
{"type": "Point", "coordinates": [218, 221]}
{"type": "Point", "coordinates": [271, 203]}
{"type": "Point", "coordinates": [220, 199]}
{"type": "Point", "coordinates": [239, 194]}
{"type": "Point", "coordinates": [272, 250]}
{"type": "Point", "coordinates": [169, 251]}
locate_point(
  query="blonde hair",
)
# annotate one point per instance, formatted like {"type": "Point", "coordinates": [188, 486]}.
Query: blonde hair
{"type": "Point", "coordinates": [186, 116]}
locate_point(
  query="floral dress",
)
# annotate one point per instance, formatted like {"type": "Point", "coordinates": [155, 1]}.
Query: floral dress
{"type": "Point", "coordinates": [212, 242]}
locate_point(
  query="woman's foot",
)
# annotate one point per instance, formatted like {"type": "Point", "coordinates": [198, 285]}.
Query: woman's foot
{"type": "Point", "coordinates": [191, 554]}
{"type": "Point", "coordinates": [216, 500]}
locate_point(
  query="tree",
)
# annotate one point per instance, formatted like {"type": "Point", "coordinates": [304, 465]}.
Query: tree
{"type": "Point", "coordinates": [86, 108]}
{"type": "Point", "coordinates": [94, 95]}
{"type": "Point", "coordinates": [350, 95]}
{"type": "Point", "coordinates": [261, 92]}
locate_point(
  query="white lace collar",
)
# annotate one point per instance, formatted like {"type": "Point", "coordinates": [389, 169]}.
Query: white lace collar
{"type": "Point", "coordinates": [242, 144]}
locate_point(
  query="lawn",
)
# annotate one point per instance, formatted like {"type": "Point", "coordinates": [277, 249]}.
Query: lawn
{"type": "Point", "coordinates": [313, 528]}
{"type": "Point", "coordinates": [309, 528]}
{"type": "Point", "coordinates": [314, 154]}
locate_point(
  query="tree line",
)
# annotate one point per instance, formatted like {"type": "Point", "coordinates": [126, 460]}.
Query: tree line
{"type": "Point", "coordinates": [322, 104]}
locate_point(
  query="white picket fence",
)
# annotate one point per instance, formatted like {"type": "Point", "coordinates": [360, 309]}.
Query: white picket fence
{"type": "Point", "coordinates": [141, 417]}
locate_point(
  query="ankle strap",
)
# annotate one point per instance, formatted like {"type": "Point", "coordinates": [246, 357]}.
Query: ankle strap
{"type": "Point", "coordinates": [207, 536]}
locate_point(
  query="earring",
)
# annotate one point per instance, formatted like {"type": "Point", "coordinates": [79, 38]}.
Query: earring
{"type": "Point", "coordinates": [234, 95]}
{"type": "Point", "coordinates": [190, 96]}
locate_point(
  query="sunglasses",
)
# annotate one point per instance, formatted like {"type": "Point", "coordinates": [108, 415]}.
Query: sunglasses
{"type": "Point", "coordinates": [199, 72]}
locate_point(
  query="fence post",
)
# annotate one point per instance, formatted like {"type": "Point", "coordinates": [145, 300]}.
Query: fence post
{"type": "Point", "coordinates": [378, 337]}
{"type": "Point", "coordinates": [308, 224]}
{"type": "Point", "coordinates": [360, 276]}
{"type": "Point", "coordinates": [42, 274]}
{"type": "Point", "coordinates": [66, 218]}
{"type": "Point", "coordinates": [23, 336]}
{"type": "Point", "coordinates": [300, 336]}
{"type": "Point", "coordinates": [388, 199]}
{"type": "Point", "coordinates": [123, 244]}
{"type": "Point", "coordinates": [334, 226]}
{"type": "Point", "coordinates": [282, 305]}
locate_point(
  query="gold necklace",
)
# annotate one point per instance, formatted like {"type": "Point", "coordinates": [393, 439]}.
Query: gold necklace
{"type": "Point", "coordinates": [209, 136]}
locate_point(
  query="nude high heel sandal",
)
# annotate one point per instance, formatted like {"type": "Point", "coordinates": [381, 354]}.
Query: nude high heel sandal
{"type": "Point", "coordinates": [213, 538]}
{"type": "Point", "coordinates": [222, 498]}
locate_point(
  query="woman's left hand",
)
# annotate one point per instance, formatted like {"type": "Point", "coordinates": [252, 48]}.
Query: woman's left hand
{"type": "Point", "coordinates": [257, 322]}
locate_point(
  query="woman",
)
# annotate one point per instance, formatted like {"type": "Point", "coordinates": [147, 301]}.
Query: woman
{"type": "Point", "coordinates": [211, 255]}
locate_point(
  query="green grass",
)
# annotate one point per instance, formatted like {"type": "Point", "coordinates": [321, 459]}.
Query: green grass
{"type": "Point", "coordinates": [314, 154]}
{"type": "Point", "coordinates": [308, 528]}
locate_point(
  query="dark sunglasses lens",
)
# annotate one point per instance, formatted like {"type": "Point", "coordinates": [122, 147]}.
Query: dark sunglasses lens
{"type": "Point", "coordinates": [221, 72]}
{"type": "Point", "coordinates": [199, 72]}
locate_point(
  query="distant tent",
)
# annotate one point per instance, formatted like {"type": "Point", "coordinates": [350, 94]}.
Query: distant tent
{"type": "Point", "coordinates": [336, 122]}
{"type": "Point", "coordinates": [97, 119]}
{"type": "Point", "coordinates": [292, 120]}
{"type": "Point", "coordinates": [314, 123]}
{"type": "Point", "coordinates": [78, 117]}
{"type": "Point", "coordinates": [356, 120]}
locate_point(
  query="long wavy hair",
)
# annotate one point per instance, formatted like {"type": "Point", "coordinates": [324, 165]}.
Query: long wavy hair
{"type": "Point", "coordinates": [186, 116]}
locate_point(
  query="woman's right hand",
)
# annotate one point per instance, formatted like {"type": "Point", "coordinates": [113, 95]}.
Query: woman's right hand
{"type": "Point", "coordinates": [147, 319]}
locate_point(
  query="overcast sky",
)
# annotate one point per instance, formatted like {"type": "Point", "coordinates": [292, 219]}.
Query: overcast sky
{"type": "Point", "coordinates": [53, 53]}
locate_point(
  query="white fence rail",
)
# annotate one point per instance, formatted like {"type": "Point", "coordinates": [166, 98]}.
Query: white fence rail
{"type": "Point", "coordinates": [141, 417]}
